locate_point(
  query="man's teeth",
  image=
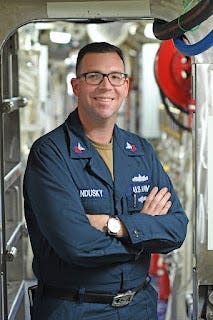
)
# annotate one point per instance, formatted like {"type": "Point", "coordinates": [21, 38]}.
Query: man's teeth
{"type": "Point", "coordinates": [104, 99]}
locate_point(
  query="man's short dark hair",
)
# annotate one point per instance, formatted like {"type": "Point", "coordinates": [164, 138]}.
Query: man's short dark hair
{"type": "Point", "coordinates": [97, 47]}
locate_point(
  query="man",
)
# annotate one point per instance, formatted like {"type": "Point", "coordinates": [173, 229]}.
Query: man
{"type": "Point", "coordinates": [97, 204]}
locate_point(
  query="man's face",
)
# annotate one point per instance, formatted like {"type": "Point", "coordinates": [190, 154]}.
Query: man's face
{"type": "Point", "coordinates": [99, 102]}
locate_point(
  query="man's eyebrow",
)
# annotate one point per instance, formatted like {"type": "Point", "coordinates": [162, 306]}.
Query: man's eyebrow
{"type": "Point", "coordinates": [98, 71]}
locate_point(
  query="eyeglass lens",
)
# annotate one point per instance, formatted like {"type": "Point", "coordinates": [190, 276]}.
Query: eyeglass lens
{"type": "Point", "coordinates": [114, 78]}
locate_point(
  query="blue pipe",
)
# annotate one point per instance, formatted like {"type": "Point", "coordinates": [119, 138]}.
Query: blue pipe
{"type": "Point", "coordinates": [194, 49]}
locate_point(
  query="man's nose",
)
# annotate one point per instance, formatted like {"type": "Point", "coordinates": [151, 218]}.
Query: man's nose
{"type": "Point", "coordinates": [105, 82]}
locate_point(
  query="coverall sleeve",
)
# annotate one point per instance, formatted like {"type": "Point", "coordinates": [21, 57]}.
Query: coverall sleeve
{"type": "Point", "coordinates": [159, 233]}
{"type": "Point", "coordinates": [54, 200]}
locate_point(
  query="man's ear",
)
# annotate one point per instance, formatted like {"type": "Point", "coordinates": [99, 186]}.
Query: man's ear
{"type": "Point", "coordinates": [75, 86]}
{"type": "Point", "coordinates": [126, 87]}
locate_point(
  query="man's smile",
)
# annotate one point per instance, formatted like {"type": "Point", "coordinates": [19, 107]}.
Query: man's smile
{"type": "Point", "coordinates": [103, 99]}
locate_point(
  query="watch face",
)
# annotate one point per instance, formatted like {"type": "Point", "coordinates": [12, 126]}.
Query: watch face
{"type": "Point", "coordinates": [113, 225]}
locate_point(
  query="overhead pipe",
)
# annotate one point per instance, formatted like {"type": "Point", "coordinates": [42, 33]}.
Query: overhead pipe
{"type": "Point", "coordinates": [164, 30]}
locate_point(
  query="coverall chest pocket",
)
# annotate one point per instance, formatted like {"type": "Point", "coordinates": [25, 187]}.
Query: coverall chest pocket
{"type": "Point", "coordinates": [134, 202]}
{"type": "Point", "coordinates": [136, 196]}
{"type": "Point", "coordinates": [95, 200]}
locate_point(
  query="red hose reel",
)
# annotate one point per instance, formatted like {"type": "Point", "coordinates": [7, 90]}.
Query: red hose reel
{"type": "Point", "coordinates": [173, 75]}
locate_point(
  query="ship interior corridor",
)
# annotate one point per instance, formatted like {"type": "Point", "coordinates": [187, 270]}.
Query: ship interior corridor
{"type": "Point", "coordinates": [38, 62]}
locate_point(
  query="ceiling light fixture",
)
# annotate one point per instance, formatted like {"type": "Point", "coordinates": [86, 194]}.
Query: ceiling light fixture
{"type": "Point", "coordinates": [60, 37]}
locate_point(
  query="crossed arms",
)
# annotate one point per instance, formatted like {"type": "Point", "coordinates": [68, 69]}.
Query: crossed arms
{"type": "Point", "coordinates": [157, 203]}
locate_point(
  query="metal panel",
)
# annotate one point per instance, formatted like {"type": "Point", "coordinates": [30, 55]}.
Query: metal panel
{"type": "Point", "coordinates": [11, 147]}
{"type": "Point", "coordinates": [210, 179]}
{"type": "Point", "coordinates": [204, 257]}
{"type": "Point", "coordinates": [203, 271]}
{"type": "Point", "coordinates": [12, 227]}
{"type": "Point", "coordinates": [17, 309]}
{"type": "Point", "coordinates": [98, 9]}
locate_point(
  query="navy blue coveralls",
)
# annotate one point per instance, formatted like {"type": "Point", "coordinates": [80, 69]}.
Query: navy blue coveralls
{"type": "Point", "coordinates": [66, 178]}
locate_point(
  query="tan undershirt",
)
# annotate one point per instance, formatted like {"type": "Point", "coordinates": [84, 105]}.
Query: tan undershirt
{"type": "Point", "coordinates": [105, 151]}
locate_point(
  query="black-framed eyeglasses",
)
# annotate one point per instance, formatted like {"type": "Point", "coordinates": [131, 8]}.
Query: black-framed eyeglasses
{"type": "Point", "coordinates": [115, 78]}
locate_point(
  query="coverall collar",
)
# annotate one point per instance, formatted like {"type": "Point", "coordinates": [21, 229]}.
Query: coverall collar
{"type": "Point", "coordinates": [81, 148]}
{"type": "Point", "coordinates": [125, 146]}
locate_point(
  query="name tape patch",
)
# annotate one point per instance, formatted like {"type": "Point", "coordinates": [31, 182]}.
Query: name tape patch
{"type": "Point", "coordinates": [91, 193]}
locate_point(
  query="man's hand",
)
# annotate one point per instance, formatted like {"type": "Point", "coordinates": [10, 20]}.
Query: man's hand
{"type": "Point", "coordinates": [99, 221]}
{"type": "Point", "coordinates": [157, 202]}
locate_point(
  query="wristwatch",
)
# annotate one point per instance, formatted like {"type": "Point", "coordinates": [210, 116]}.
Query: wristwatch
{"type": "Point", "coordinates": [113, 226]}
